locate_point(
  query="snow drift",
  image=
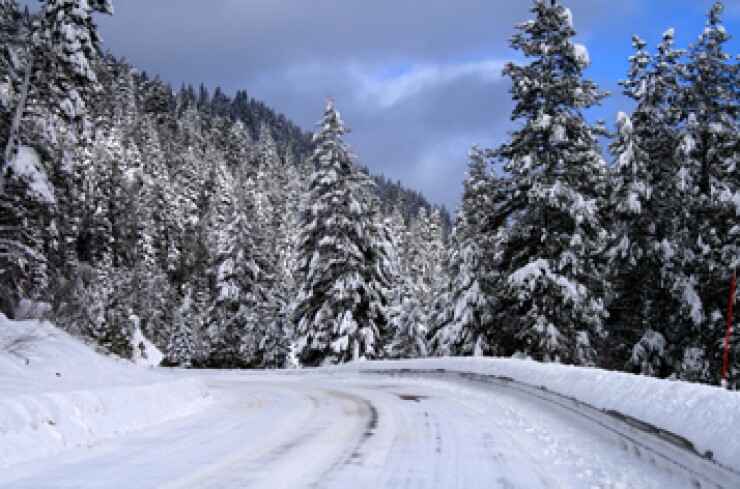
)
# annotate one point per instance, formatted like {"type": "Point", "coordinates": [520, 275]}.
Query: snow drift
{"type": "Point", "coordinates": [56, 393]}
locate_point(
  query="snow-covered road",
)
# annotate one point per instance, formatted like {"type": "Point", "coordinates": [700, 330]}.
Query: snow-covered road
{"type": "Point", "coordinates": [345, 430]}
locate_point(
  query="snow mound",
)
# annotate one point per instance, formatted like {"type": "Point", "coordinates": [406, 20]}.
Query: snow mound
{"type": "Point", "coordinates": [707, 416]}
{"type": "Point", "coordinates": [56, 394]}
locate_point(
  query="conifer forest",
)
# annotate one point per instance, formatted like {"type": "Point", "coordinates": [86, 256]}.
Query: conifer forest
{"type": "Point", "coordinates": [231, 238]}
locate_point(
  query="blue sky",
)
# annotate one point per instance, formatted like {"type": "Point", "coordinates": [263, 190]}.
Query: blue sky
{"type": "Point", "coordinates": [417, 80]}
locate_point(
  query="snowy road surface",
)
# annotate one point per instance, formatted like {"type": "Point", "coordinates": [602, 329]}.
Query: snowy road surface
{"type": "Point", "coordinates": [344, 430]}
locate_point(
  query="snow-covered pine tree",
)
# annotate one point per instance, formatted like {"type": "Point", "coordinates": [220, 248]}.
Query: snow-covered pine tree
{"type": "Point", "coordinates": [296, 183]}
{"type": "Point", "coordinates": [153, 293]}
{"type": "Point", "coordinates": [646, 202]}
{"type": "Point", "coordinates": [708, 180]}
{"type": "Point", "coordinates": [406, 321]}
{"type": "Point", "coordinates": [336, 312]}
{"type": "Point", "coordinates": [182, 347]}
{"type": "Point", "coordinates": [22, 261]}
{"type": "Point", "coordinates": [463, 333]}
{"type": "Point", "coordinates": [273, 217]}
{"type": "Point", "coordinates": [58, 71]}
{"type": "Point", "coordinates": [425, 256]}
{"type": "Point", "coordinates": [235, 319]}
{"type": "Point", "coordinates": [126, 97]}
{"type": "Point", "coordinates": [555, 283]}
{"type": "Point", "coordinates": [11, 76]}
{"type": "Point", "coordinates": [52, 78]}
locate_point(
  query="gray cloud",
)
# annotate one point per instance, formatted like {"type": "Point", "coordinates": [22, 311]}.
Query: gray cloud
{"type": "Point", "coordinates": [418, 80]}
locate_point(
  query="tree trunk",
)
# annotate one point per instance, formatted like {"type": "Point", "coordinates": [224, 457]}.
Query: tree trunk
{"type": "Point", "coordinates": [16, 123]}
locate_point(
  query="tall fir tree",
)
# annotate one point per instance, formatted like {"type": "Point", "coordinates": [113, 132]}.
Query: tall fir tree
{"type": "Point", "coordinates": [426, 253]}
{"type": "Point", "coordinates": [406, 322]}
{"type": "Point", "coordinates": [646, 202]}
{"type": "Point", "coordinates": [235, 318]}
{"type": "Point", "coordinates": [336, 313]}
{"type": "Point", "coordinates": [462, 331]}
{"type": "Point", "coordinates": [555, 281]}
{"type": "Point", "coordinates": [708, 181]}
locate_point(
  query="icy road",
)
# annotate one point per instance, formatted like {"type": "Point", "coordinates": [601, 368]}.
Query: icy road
{"type": "Point", "coordinates": [345, 430]}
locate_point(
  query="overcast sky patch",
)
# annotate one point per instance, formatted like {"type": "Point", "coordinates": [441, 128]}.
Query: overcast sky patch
{"type": "Point", "coordinates": [418, 80]}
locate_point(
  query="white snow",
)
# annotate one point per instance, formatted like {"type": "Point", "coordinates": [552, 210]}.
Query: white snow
{"type": "Point", "coordinates": [559, 135]}
{"type": "Point", "coordinates": [581, 53]}
{"type": "Point", "coordinates": [568, 16]}
{"type": "Point", "coordinates": [532, 270]}
{"type": "Point", "coordinates": [707, 416]}
{"type": "Point", "coordinates": [633, 203]}
{"type": "Point", "coordinates": [57, 394]}
{"type": "Point", "coordinates": [691, 297]}
{"type": "Point", "coordinates": [26, 164]}
{"type": "Point", "coordinates": [145, 353]}
{"type": "Point", "coordinates": [287, 415]}
{"type": "Point", "coordinates": [527, 278]}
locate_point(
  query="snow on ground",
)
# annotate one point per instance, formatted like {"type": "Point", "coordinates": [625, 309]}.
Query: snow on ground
{"type": "Point", "coordinates": [56, 393]}
{"type": "Point", "coordinates": [707, 416]}
{"type": "Point", "coordinates": [145, 353]}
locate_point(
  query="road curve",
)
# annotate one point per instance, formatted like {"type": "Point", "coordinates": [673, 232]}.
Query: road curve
{"type": "Point", "coordinates": [317, 430]}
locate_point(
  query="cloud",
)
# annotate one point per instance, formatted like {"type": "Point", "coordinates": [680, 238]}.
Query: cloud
{"type": "Point", "coordinates": [385, 90]}
{"type": "Point", "coordinates": [418, 80]}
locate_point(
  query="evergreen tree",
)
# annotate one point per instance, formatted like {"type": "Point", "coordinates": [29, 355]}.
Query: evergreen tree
{"type": "Point", "coordinates": [182, 347]}
{"type": "Point", "coordinates": [58, 68]}
{"type": "Point", "coordinates": [405, 315]}
{"type": "Point", "coordinates": [468, 300]}
{"type": "Point", "coordinates": [336, 312]}
{"type": "Point", "coordinates": [708, 180]}
{"type": "Point", "coordinates": [235, 320]}
{"type": "Point", "coordinates": [426, 249]}
{"type": "Point", "coordinates": [12, 47]}
{"type": "Point", "coordinates": [646, 202]}
{"type": "Point", "coordinates": [555, 283]}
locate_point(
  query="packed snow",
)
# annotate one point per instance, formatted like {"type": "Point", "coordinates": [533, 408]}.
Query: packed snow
{"type": "Point", "coordinates": [57, 394]}
{"type": "Point", "coordinates": [706, 416]}
{"type": "Point", "coordinates": [94, 419]}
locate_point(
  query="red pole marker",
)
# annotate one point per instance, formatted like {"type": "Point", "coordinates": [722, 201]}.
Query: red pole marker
{"type": "Point", "coordinates": [729, 327]}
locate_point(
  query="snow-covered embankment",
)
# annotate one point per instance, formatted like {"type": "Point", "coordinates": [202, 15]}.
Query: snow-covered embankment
{"type": "Point", "coordinates": [708, 417]}
{"type": "Point", "coordinates": [56, 393]}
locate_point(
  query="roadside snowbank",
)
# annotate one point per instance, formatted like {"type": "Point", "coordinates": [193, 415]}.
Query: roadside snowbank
{"type": "Point", "coordinates": [707, 416]}
{"type": "Point", "coordinates": [56, 393]}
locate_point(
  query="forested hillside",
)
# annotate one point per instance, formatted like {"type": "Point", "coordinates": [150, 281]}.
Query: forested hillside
{"type": "Point", "coordinates": [231, 238]}
{"type": "Point", "coordinates": [128, 206]}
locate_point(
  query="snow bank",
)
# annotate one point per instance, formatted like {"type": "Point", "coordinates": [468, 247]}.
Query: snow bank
{"type": "Point", "coordinates": [707, 416]}
{"type": "Point", "coordinates": [56, 393]}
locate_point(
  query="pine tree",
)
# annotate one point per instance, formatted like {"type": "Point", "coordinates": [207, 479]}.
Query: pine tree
{"type": "Point", "coordinates": [273, 217]}
{"type": "Point", "coordinates": [646, 202]}
{"type": "Point", "coordinates": [406, 322]}
{"type": "Point", "coordinates": [708, 155]}
{"type": "Point", "coordinates": [182, 347]}
{"type": "Point", "coordinates": [463, 331]}
{"type": "Point", "coordinates": [235, 319]}
{"type": "Point", "coordinates": [58, 68]}
{"type": "Point", "coordinates": [425, 253]}
{"type": "Point", "coordinates": [335, 312]}
{"type": "Point", "coordinates": [12, 45]}
{"type": "Point", "coordinates": [50, 81]}
{"type": "Point", "coordinates": [554, 288]}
